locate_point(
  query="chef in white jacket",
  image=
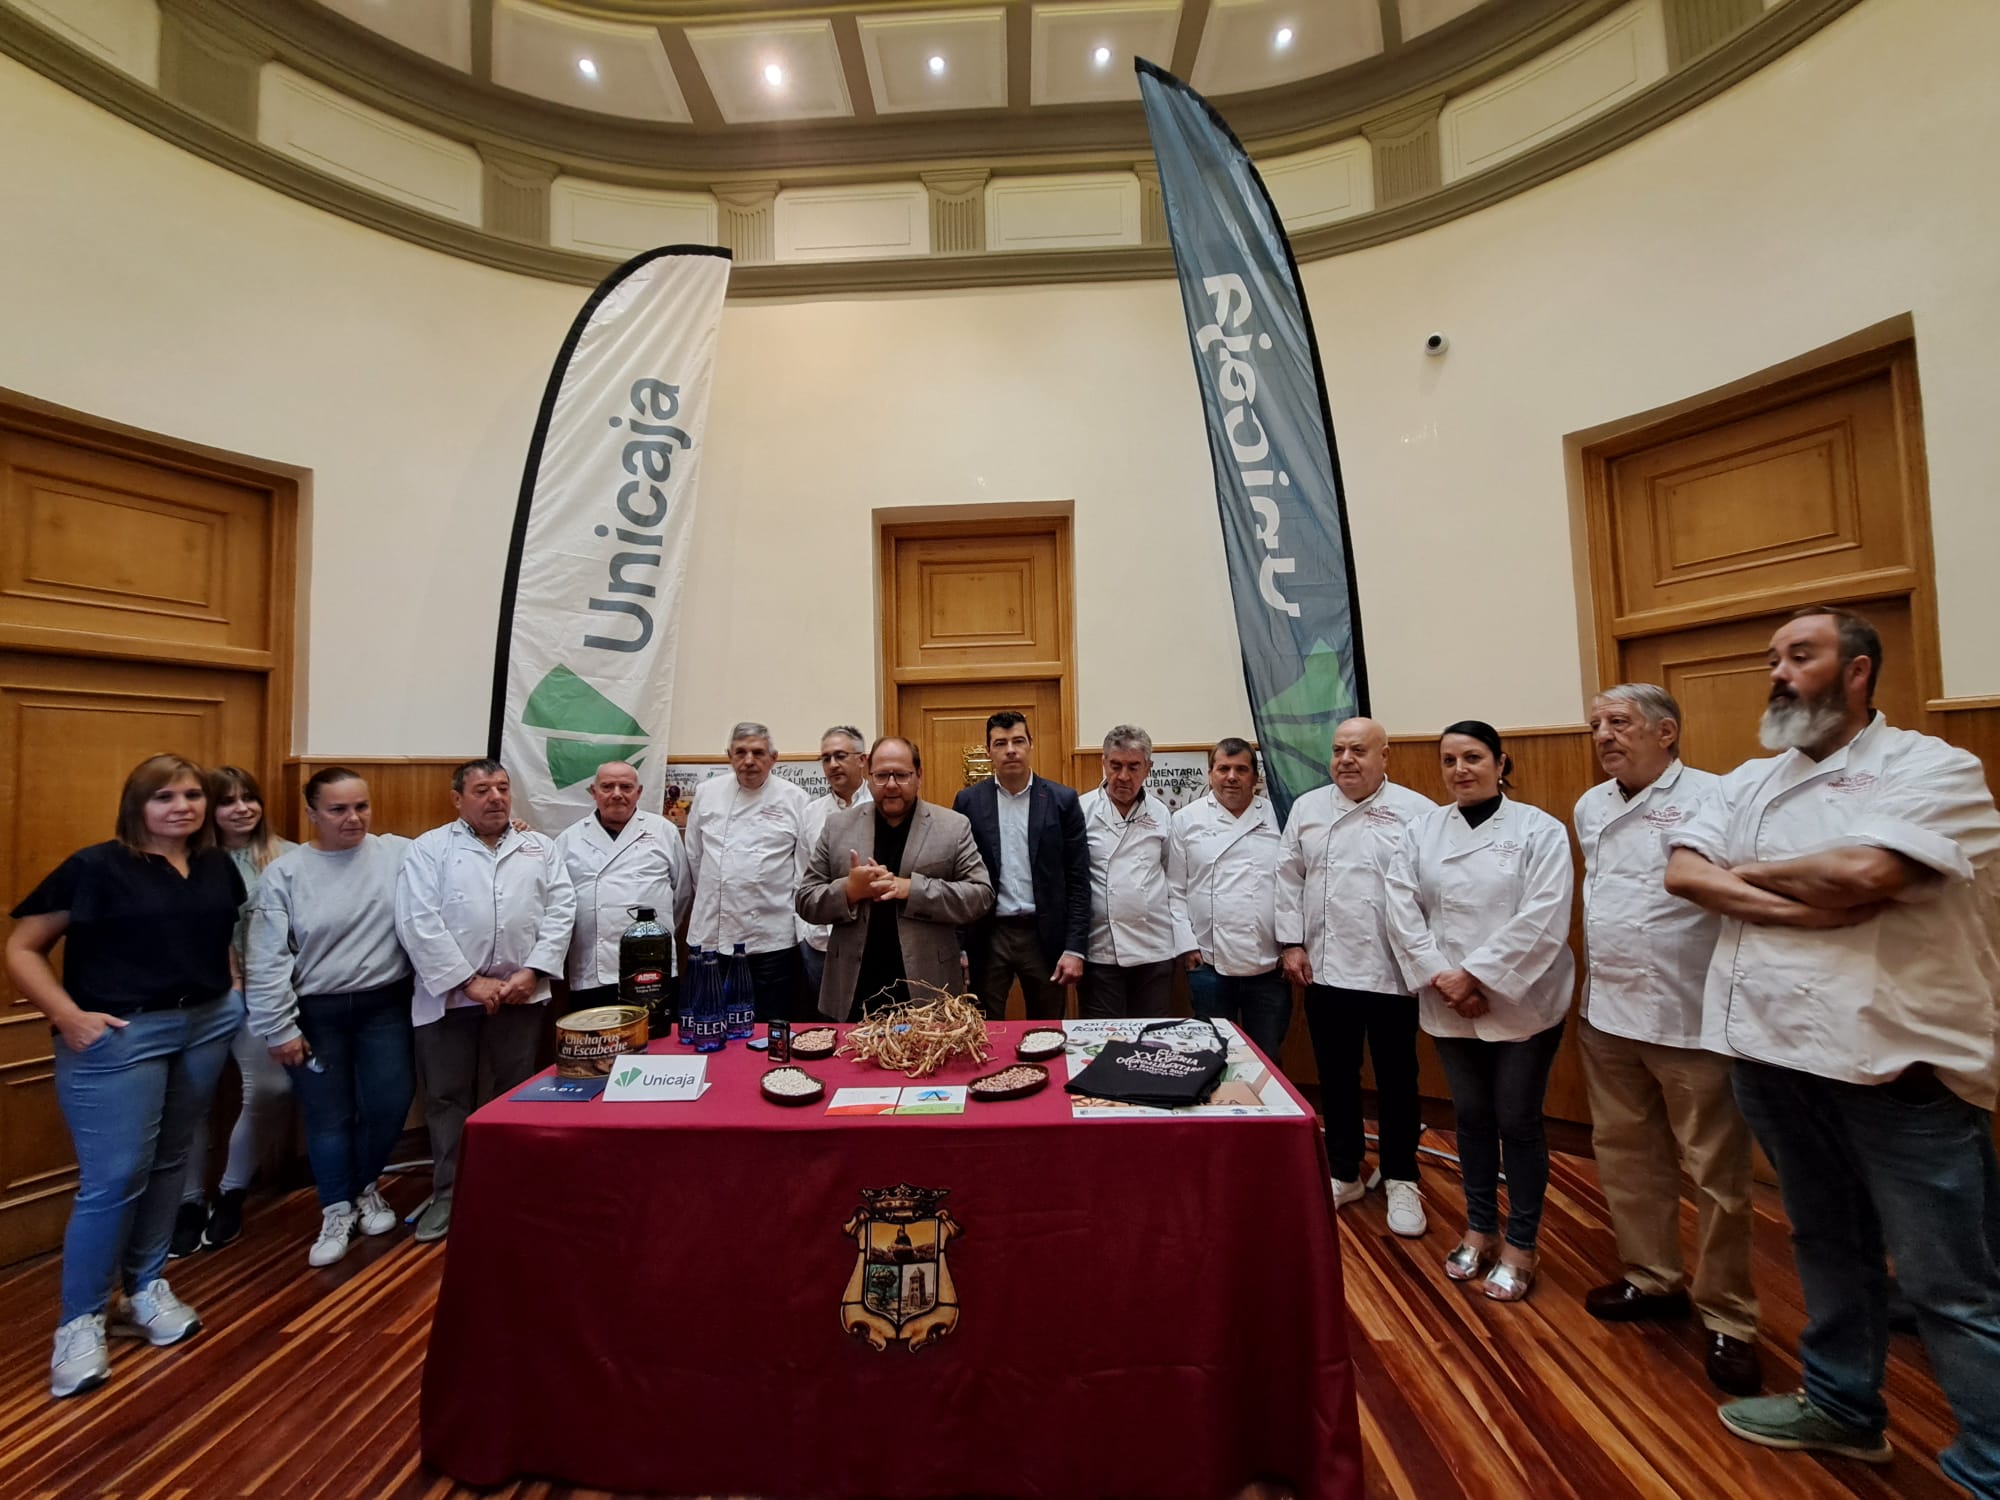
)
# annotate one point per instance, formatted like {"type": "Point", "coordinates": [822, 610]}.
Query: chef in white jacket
{"type": "Point", "coordinates": [1857, 875]}
{"type": "Point", "coordinates": [484, 911]}
{"type": "Point", "coordinates": [1222, 876]}
{"type": "Point", "coordinates": [747, 852]}
{"type": "Point", "coordinates": [1333, 933]}
{"type": "Point", "coordinates": [1128, 968]}
{"type": "Point", "coordinates": [618, 858]}
{"type": "Point", "coordinates": [1479, 900]}
{"type": "Point", "coordinates": [1659, 1103]}
{"type": "Point", "coordinates": [843, 761]}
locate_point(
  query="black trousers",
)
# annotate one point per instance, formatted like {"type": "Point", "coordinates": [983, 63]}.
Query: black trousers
{"type": "Point", "coordinates": [1342, 1022]}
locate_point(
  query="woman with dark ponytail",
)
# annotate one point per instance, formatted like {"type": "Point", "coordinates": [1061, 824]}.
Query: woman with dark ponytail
{"type": "Point", "coordinates": [1479, 900]}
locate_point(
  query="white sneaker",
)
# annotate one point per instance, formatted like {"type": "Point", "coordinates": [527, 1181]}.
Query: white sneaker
{"type": "Point", "coordinates": [1345, 1193]}
{"type": "Point", "coordinates": [336, 1228]}
{"type": "Point", "coordinates": [155, 1314]}
{"type": "Point", "coordinates": [1406, 1210]}
{"type": "Point", "coordinates": [79, 1363]}
{"type": "Point", "coordinates": [372, 1214]}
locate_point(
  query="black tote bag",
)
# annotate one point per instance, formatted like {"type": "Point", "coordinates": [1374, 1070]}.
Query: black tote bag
{"type": "Point", "coordinates": [1152, 1073]}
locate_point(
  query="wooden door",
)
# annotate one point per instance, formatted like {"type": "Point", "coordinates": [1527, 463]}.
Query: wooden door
{"type": "Point", "coordinates": [145, 603]}
{"type": "Point", "coordinates": [977, 618]}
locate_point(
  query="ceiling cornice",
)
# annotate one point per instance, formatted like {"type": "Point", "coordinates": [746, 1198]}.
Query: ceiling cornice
{"type": "Point", "coordinates": [1775, 33]}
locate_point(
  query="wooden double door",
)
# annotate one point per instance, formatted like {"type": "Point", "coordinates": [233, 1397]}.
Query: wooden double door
{"type": "Point", "coordinates": [145, 602]}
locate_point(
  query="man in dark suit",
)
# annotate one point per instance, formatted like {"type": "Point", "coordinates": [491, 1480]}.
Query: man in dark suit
{"type": "Point", "coordinates": [895, 878]}
{"type": "Point", "coordinates": [1030, 834]}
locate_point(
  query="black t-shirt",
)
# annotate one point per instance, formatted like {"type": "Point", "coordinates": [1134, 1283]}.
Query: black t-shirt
{"type": "Point", "coordinates": [882, 953]}
{"type": "Point", "coordinates": [139, 932]}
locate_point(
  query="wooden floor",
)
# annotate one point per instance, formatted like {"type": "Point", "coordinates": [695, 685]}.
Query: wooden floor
{"type": "Point", "coordinates": [305, 1382]}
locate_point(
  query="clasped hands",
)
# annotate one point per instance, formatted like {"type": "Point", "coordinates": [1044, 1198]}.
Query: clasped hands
{"type": "Point", "coordinates": [518, 988]}
{"type": "Point", "coordinates": [869, 881]}
{"type": "Point", "coordinates": [1461, 992]}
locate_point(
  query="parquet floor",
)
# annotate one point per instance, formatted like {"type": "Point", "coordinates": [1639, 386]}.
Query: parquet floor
{"type": "Point", "coordinates": [305, 1382]}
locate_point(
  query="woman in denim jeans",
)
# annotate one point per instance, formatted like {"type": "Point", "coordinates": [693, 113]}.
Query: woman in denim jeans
{"type": "Point", "coordinates": [329, 994]}
{"type": "Point", "coordinates": [143, 1015]}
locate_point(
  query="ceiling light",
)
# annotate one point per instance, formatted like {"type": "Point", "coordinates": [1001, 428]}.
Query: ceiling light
{"type": "Point", "coordinates": [937, 66]}
{"type": "Point", "coordinates": [1283, 38]}
{"type": "Point", "coordinates": [586, 67]}
{"type": "Point", "coordinates": [1102, 56]}
{"type": "Point", "coordinates": [773, 74]}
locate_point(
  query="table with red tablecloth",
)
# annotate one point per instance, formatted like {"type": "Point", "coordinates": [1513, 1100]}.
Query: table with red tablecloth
{"type": "Point", "coordinates": [655, 1297]}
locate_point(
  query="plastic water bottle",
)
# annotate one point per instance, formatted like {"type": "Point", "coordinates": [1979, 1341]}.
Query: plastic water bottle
{"type": "Point", "coordinates": [692, 984]}
{"type": "Point", "coordinates": [711, 1021]}
{"type": "Point", "coordinates": [740, 1001]}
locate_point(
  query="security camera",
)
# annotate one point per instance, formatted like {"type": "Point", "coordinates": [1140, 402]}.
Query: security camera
{"type": "Point", "coordinates": [1437, 343]}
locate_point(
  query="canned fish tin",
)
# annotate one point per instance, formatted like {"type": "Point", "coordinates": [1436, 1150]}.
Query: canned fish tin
{"type": "Point", "coordinates": [588, 1042]}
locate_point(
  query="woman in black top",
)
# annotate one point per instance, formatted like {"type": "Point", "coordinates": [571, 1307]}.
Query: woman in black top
{"type": "Point", "coordinates": [143, 1014]}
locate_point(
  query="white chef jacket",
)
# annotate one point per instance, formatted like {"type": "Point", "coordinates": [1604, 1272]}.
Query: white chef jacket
{"type": "Point", "coordinates": [463, 910]}
{"type": "Point", "coordinates": [643, 866]}
{"type": "Point", "coordinates": [1331, 900]}
{"type": "Point", "coordinates": [747, 855]}
{"type": "Point", "coordinates": [1494, 901]}
{"type": "Point", "coordinates": [1222, 872]}
{"type": "Point", "coordinates": [1131, 917]}
{"type": "Point", "coordinates": [1916, 984]}
{"type": "Point", "coordinates": [818, 810]}
{"type": "Point", "coordinates": [1648, 950]}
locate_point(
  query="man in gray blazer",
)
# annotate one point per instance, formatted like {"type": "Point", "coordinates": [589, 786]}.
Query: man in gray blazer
{"type": "Point", "coordinates": [894, 880]}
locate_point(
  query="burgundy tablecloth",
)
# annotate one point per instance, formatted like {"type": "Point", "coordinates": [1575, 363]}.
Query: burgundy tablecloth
{"type": "Point", "coordinates": [647, 1297]}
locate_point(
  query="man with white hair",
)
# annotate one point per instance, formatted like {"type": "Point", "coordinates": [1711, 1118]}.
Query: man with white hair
{"type": "Point", "coordinates": [746, 852]}
{"type": "Point", "coordinates": [1854, 980]}
{"type": "Point", "coordinates": [1659, 1103]}
{"type": "Point", "coordinates": [843, 761]}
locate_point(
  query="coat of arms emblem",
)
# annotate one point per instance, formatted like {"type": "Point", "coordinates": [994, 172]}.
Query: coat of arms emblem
{"type": "Point", "coordinates": [901, 1287]}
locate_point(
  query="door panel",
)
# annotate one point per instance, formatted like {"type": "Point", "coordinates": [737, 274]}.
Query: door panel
{"type": "Point", "coordinates": [70, 730]}
{"type": "Point", "coordinates": [947, 719]}
{"type": "Point", "coordinates": [977, 601]}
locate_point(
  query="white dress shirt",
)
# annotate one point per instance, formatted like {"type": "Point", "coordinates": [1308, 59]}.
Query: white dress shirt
{"type": "Point", "coordinates": [1331, 897]}
{"type": "Point", "coordinates": [1014, 894]}
{"type": "Point", "coordinates": [1647, 949]}
{"type": "Point", "coordinates": [1222, 872]}
{"type": "Point", "coordinates": [747, 855]}
{"type": "Point", "coordinates": [814, 934]}
{"type": "Point", "coordinates": [1913, 985]}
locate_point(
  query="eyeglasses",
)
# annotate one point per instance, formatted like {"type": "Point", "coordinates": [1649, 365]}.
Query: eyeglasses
{"type": "Point", "coordinates": [894, 778]}
{"type": "Point", "coordinates": [838, 756]}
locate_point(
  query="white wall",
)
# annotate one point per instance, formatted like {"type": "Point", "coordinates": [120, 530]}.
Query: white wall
{"type": "Point", "coordinates": [1845, 184]}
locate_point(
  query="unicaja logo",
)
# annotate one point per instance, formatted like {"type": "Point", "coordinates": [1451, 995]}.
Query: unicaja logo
{"type": "Point", "coordinates": [627, 1078]}
{"type": "Point", "coordinates": [586, 728]}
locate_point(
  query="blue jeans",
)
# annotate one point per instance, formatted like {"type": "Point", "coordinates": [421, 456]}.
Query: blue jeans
{"type": "Point", "coordinates": [132, 1100]}
{"type": "Point", "coordinates": [1905, 1168]}
{"type": "Point", "coordinates": [1260, 1003]}
{"type": "Point", "coordinates": [355, 1090]}
{"type": "Point", "coordinates": [1496, 1095]}
{"type": "Point", "coordinates": [814, 963]}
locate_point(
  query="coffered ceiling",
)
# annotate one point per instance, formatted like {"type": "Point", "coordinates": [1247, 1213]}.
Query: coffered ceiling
{"type": "Point", "coordinates": [882, 79]}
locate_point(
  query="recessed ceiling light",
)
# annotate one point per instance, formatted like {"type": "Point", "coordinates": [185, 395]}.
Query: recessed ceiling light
{"type": "Point", "coordinates": [773, 74]}
{"type": "Point", "coordinates": [586, 67]}
{"type": "Point", "coordinates": [937, 65]}
{"type": "Point", "coordinates": [1283, 38]}
{"type": "Point", "coordinates": [1101, 56]}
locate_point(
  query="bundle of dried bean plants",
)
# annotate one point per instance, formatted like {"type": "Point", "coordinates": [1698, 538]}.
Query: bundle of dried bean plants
{"type": "Point", "coordinates": [918, 1037]}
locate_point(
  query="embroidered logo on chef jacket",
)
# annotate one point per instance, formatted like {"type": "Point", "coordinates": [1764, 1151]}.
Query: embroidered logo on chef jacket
{"type": "Point", "coordinates": [1664, 817]}
{"type": "Point", "coordinates": [1382, 815]}
{"type": "Point", "coordinates": [1508, 852]}
{"type": "Point", "coordinates": [901, 1288]}
{"type": "Point", "coordinates": [1852, 781]}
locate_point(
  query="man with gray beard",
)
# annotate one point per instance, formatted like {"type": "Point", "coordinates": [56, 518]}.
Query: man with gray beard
{"type": "Point", "coordinates": [1857, 875]}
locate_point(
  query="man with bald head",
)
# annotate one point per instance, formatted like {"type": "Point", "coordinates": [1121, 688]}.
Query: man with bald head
{"type": "Point", "coordinates": [618, 857]}
{"type": "Point", "coordinates": [1333, 940]}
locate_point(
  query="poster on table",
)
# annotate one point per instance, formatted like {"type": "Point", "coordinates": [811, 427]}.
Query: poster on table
{"type": "Point", "coordinates": [1248, 1086]}
{"type": "Point", "coordinates": [590, 606]}
{"type": "Point", "coordinates": [1270, 438]}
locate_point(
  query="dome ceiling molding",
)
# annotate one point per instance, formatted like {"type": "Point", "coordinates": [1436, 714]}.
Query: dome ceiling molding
{"type": "Point", "coordinates": [204, 107]}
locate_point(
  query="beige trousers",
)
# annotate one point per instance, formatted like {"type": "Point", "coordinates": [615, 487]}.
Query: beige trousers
{"type": "Point", "coordinates": [1655, 1110]}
